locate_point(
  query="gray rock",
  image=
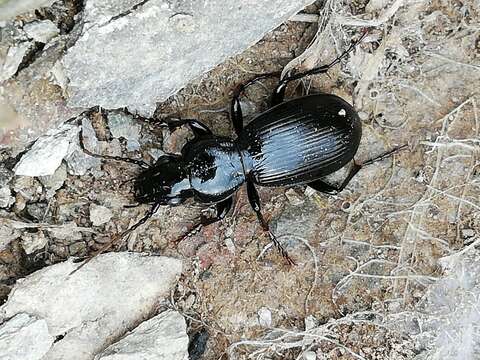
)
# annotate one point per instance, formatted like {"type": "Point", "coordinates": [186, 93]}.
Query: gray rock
{"type": "Point", "coordinates": [78, 161]}
{"type": "Point", "coordinates": [101, 11]}
{"type": "Point", "coordinates": [7, 233]}
{"type": "Point", "coordinates": [162, 337]}
{"type": "Point", "coordinates": [298, 220]}
{"type": "Point", "coordinates": [31, 103]}
{"type": "Point", "coordinates": [41, 31]}
{"type": "Point", "coordinates": [264, 317]}
{"type": "Point", "coordinates": [13, 60]}
{"type": "Point", "coordinates": [69, 232]}
{"type": "Point", "coordinates": [156, 153]}
{"type": "Point", "coordinates": [98, 303]}
{"type": "Point", "coordinates": [134, 56]}
{"type": "Point", "coordinates": [99, 215]}
{"type": "Point", "coordinates": [309, 355]}
{"type": "Point", "coordinates": [54, 182]}
{"type": "Point", "coordinates": [47, 153]}
{"type": "Point", "coordinates": [24, 337]}
{"type": "Point", "coordinates": [124, 126]}
{"type": "Point", "coordinates": [11, 8]}
{"type": "Point", "coordinates": [32, 242]}
{"type": "Point", "coordinates": [6, 198]}
{"type": "Point", "coordinates": [468, 233]}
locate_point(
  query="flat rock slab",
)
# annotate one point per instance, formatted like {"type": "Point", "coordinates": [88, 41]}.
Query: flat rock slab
{"type": "Point", "coordinates": [24, 337]}
{"type": "Point", "coordinates": [137, 53]}
{"type": "Point", "coordinates": [161, 337]}
{"type": "Point", "coordinates": [11, 8]}
{"type": "Point", "coordinates": [89, 309]}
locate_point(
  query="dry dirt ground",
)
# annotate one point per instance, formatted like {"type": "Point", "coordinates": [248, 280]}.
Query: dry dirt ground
{"type": "Point", "coordinates": [363, 256]}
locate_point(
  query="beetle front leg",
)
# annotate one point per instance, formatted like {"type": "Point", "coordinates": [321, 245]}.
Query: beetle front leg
{"type": "Point", "coordinates": [255, 203]}
{"type": "Point", "coordinates": [198, 128]}
{"type": "Point", "coordinates": [236, 115]}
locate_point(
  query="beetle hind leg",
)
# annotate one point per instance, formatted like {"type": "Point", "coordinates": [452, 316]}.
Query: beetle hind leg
{"type": "Point", "coordinates": [324, 187]}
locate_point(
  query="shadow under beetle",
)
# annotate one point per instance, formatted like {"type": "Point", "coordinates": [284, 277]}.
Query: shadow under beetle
{"type": "Point", "coordinates": [295, 142]}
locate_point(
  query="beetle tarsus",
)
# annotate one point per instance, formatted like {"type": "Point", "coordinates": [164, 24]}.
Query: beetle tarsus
{"type": "Point", "coordinates": [384, 155]}
{"type": "Point", "coordinates": [254, 200]}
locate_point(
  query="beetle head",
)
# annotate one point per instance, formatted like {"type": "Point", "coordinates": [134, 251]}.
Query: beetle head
{"type": "Point", "coordinates": [166, 183]}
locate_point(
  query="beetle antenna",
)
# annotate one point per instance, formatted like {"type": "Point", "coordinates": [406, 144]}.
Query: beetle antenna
{"type": "Point", "coordinates": [120, 236]}
{"type": "Point", "coordinates": [109, 157]}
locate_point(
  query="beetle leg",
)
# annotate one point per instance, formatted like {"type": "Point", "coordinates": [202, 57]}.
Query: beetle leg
{"type": "Point", "coordinates": [384, 155]}
{"type": "Point", "coordinates": [120, 236]}
{"type": "Point", "coordinates": [222, 209]}
{"type": "Point", "coordinates": [109, 157]}
{"type": "Point", "coordinates": [279, 92]}
{"type": "Point", "coordinates": [330, 189]}
{"type": "Point", "coordinates": [324, 187]}
{"type": "Point", "coordinates": [198, 128]}
{"type": "Point", "coordinates": [255, 203]}
{"type": "Point", "coordinates": [236, 115]}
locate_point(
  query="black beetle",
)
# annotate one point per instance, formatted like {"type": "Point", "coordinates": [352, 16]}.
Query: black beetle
{"type": "Point", "coordinates": [295, 142]}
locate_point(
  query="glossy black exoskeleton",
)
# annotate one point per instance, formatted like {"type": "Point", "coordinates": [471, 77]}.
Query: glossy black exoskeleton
{"type": "Point", "coordinates": [294, 142]}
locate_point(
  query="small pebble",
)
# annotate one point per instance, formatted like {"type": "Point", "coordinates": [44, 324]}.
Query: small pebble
{"type": "Point", "coordinates": [264, 317]}
{"type": "Point", "coordinates": [294, 198]}
{"type": "Point", "coordinates": [230, 245]}
{"type": "Point", "coordinates": [309, 355]}
{"type": "Point", "coordinates": [311, 322]}
{"type": "Point", "coordinates": [468, 233]}
{"type": "Point", "coordinates": [363, 115]}
{"type": "Point", "coordinates": [99, 215]}
{"type": "Point", "coordinates": [6, 198]}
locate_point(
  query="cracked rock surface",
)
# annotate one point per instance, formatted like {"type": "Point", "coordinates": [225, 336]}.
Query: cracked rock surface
{"type": "Point", "coordinates": [85, 310]}
{"type": "Point", "coordinates": [100, 67]}
{"type": "Point", "coordinates": [161, 337]}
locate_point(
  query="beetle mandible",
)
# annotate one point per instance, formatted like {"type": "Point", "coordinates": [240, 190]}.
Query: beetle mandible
{"type": "Point", "coordinates": [294, 142]}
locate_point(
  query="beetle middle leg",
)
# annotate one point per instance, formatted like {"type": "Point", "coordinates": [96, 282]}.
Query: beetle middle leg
{"type": "Point", "coordinates": [254, 200]}
{"type": "Point", "coordinates": [324, 187]}
{"type": "Point", "coordinates": [222, 209]}
{"type": "Point", "coordinates": [279, 92]}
